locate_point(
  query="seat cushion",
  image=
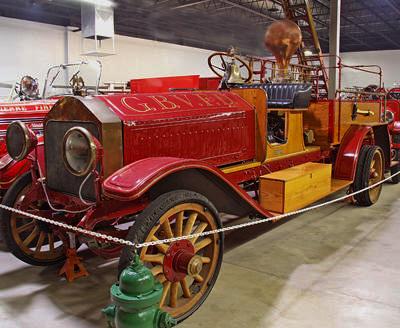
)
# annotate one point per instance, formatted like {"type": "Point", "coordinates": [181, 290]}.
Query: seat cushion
{"type": "Point", "coordinates": [283, 95]}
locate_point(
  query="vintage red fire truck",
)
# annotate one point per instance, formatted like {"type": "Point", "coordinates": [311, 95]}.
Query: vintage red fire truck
{"type": "Point", "coordinates": [156, 165]}
{"type": "Point", "coordinates": [23, 103]}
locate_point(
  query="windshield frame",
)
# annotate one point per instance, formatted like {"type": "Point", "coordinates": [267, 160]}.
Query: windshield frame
{"type": "Point", "coordinates": [78, 69]}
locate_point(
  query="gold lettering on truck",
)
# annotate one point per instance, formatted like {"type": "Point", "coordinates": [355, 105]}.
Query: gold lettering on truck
{"type": "Point", "coordinates": [146, 106]}
{"type": "Point", "coordinates": [185, 99]}
{"type": "Point", "coordinates": [164, 102]}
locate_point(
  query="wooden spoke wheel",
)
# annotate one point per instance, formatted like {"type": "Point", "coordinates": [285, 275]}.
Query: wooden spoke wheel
{"type": "Point", "coordinates": [30, 240]}
{"type": "Point", "coordinates": [187, 269]}
{"type": "Point", "coordinates": [219, 61]}
{"type": "Point", "coordinates": [370, 170]}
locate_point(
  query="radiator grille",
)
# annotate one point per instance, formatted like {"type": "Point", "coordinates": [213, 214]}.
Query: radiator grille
{"type": "Point", "coordinates": [58, 177]}
{"type": "Point", "coordinates": [396, 138]}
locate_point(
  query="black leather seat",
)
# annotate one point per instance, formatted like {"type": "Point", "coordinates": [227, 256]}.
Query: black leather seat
{"type": "Point", "coordinates": [283, 95]}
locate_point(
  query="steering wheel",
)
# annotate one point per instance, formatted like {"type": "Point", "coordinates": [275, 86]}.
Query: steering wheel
{"type": "Point", "coordinates": [219, 61]}
{"type": "Point", "coordinates": [78, 85]}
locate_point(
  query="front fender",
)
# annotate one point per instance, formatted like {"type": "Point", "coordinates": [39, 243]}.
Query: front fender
{"type": "Point", "coordinates": [350, 146]}
{"type": "Point", "coordinates": [157, 175]}
{"type": "Point", "coordinates": [11, 170]}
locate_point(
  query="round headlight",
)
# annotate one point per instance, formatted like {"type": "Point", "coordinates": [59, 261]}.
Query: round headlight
{"type": "Point", "coordinates": [20, 140]}
{"type": "Point", "coordinates": [79, 151]}
{"type": "Point", "coordinates": [389, 116]}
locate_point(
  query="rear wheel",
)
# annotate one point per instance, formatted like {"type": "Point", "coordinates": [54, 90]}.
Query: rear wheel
{"type": "Point", "coordinates": [370, 170]}
{"type": "Point", "coordinates": [187, 269]}
{"type": "Point", "coordinates": [396, 168]}
{"type": "Point", "coordinates": [30, 240]}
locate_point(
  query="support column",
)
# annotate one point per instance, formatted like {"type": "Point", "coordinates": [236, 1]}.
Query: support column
{"type": "Point", "coordinates": [334, 46]}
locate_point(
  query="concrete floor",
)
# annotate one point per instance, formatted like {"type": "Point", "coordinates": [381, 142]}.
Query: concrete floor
{"type": "Point", "coordinates": [337, 267]}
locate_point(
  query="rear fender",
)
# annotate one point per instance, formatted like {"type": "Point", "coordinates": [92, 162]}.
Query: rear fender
{"type": "Point", "coordinates": [354, 138]}
{"type": "Point", "coordinates": [157, 175]}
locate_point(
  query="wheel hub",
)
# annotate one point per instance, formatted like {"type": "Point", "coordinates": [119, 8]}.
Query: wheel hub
{"type": "Point", "coordinates": [43, 226]}
{"type": "Point", "coordinates": [180, 261]}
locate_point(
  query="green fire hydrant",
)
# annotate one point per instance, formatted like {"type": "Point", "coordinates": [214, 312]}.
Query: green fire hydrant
{"type": "Point", "coordinates": [136, 300]}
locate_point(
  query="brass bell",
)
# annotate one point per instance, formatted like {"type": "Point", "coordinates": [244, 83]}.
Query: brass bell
{"type": "Point", "coordinates": [234, 73]}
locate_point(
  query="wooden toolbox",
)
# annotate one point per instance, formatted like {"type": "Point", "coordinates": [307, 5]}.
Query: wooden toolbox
{"type": "Point", "coordinates": [296, 187]}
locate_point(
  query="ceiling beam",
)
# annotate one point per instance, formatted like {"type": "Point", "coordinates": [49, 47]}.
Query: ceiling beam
{"type": "Point", "coordinates": [191, 4]}
{"type": "Point", "coordinates": [250, 10]}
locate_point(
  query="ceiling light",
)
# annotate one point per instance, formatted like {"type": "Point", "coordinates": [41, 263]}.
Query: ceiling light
{"type": "Point", "coordinates": [103, 3]}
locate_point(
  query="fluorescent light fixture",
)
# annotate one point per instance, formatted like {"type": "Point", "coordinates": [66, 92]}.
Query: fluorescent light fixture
{"type": "Point", "coordinates": [308, 53]}
{"type": "Point", "coordinates": [103, 3]}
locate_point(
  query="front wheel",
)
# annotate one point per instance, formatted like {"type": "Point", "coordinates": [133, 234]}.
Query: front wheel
{"type": "Point", "coordinates": [32, 241]}
{"type": "Point", "coordinates": [370, 170]}
{"type": "Point", "coordinates": [187, 269]}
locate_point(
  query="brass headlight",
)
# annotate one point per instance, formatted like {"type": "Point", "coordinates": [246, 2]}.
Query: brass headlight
{"type": "Point", "coordinates": [80, 151]}
{"type": "Point", "coordinates": [20, 140]}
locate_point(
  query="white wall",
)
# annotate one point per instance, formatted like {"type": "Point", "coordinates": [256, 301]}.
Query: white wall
{"type": "Point", "coordinates": [389, 60]}
{"type": "Point", "coordinates": [30, 48]}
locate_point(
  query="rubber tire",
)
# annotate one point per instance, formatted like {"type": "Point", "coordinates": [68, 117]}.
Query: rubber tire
{"type": "Point", "coordinates": [5, 227]}
{"type": "Point", "coordinates": [150, 217]}
{"type": "Point", "coordinates": [395, 169]}
{"type": "Point", "coordinates": [362, 174]}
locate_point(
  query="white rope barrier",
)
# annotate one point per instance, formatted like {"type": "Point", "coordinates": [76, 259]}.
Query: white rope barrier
{"type": "Point", "coordinates": [191, 236]}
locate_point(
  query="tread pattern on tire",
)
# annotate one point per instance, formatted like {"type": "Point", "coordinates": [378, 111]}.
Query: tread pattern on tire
{"type": "Point", "coordinates": [362, 174]}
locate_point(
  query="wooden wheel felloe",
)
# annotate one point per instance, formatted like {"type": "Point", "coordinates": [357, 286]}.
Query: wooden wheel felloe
{"type": "Point", "coordinates": [370, 170]}
{"type": "Point", "coordinates": [187, 269]}
{"type": "Point", "coordinates": [32, 241]}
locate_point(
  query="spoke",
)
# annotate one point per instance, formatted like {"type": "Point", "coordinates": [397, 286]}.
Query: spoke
{"type": "Point", "coordinates": [165, 292]}
{"type": "Point", "coordinates": [201, 227]}
{"type": "Point", "coordinates": [31, 237]}
{"type": "Point", "coordinates": [156, 258]}
{"type": "Point", "coordinates": [179, 224]}
{"type": "Point", "coordinates": [26, 226]}
{"type": "Point", "coordinates": [161, 247]}
{"type": "Point", "coordinates": [201, 244]}
{"type": "Point", "coordinates": [167, 228]}
{"type": "Point", "coordinates": [223, 61]}
{"type": "Point", "coordinates": [189, 224]}
{"type": "Point", "coordinates": [198, 278]}
{"type": "Point", "coordinates": [217, 67]}
{"type": "Point", "coordinates": [51, 241]}
{"type": "Point", "coordinates": [162, 278]}
{"type": "Point", "coordinates": [185, 289]}
{"type": "Point", "coordinates": [173, 297]}
{"type": "Point", "coordinates": [157, 270]}
{"type": "Point", "coordinates": [205, 260]}
{"type": "Point", "coordinates": [39, 244]}
{"type": "Point", "coordinates": [372, 164]}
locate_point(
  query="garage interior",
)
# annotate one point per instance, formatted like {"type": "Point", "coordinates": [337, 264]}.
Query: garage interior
{"type": "Point", "coordinates": [336, 266]}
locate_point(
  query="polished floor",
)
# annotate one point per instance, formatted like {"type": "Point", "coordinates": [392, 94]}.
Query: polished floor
{"type": "Point", "coordinates": [336, 267]}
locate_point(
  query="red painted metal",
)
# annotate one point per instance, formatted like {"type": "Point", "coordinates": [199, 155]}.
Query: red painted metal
{"type": "Point", "coordinates": [346, 161]}
{"type": "Point", "coordinates": [164, 84]}
{"type": "Point", "coordinates": [29, 112]}
{"type": "Point", "coordinates": [134, 180]}
{"type": "Point", "coordinates": [209, 83]}
{"type": "Point", "coordinates": [177, 259]}
{"type": "Point", "coordinates": [218, 127]}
